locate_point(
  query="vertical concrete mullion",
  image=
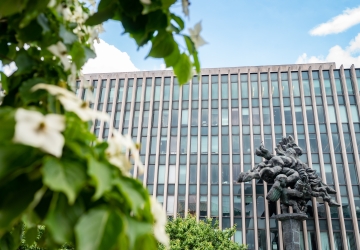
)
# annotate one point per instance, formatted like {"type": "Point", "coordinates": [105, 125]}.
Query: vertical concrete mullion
{"type": "Point", "coordinates": [267, 226]}
{"type": "Point", "coordinates": [188, 151]}
{"type": "Point", "coordinates": [113, 108]}
{"type": "Point", "coordinates": [197, 204]}
{"type": "Point", "coordinates": [336, 180]}
{"type": "Point", "coordinates": [346, 163]}
{"type": "Point", "coordinates": [273, 139]}
{"type": "Point", "coordinates": [323, 176]}
{"type": "Point", "coordinates": [230, 154]}
{"type": "Point", "coordinates": [176, 195]}
{"type": "Point", "coordinates": [96, 97]}
{"type": "Point", "coordinates": [220, 151]}
{"type": "Point", "coordinates": [148, 141]}
{"type": "Point", "coordinates": [353, 135]}
{"type": "Point", "coordinates": [306, 132]}
{"type": "Point", "coordinates": [313, 101]}
{"type": "Point", "coordinates": [209, 147]}
{"type": "Point", "coordinates": [122, 114]}
{"type": "Point", "coordinates": [253, 182]}
{"type": "Point", "coordinates": [243, 234]}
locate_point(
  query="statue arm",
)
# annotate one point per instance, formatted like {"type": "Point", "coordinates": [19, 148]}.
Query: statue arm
{"type": "Point", "coordinates": [294, 193]}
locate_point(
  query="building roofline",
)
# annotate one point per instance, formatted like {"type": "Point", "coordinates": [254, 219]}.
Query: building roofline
{"type": "Point", "coordinates": [239, 69]}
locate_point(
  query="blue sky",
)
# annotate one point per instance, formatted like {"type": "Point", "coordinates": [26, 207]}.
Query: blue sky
{"type": "Point", "coordinates": [260, 32]}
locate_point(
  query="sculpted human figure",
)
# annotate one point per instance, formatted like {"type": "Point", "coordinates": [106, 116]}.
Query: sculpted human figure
{"type": "Point", "coordinates": [294, 182]}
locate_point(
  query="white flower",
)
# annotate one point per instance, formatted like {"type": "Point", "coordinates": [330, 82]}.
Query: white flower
{"type": "Point", "coordinates": [145, 1]}
{"type": "Point", "coordinates": [34, 129]}
{"type": "Point", "coordinates": [72, 77]}
{"type": "Point", "coordinates": [82, 109]}
{"type": "Point", "coordinates": [72, 103]}
{"type": "Point", "coordinates": [2, 95]}
{"type": "Point", "coordinates": [195, 35]}
{"type": "Point", "coordinates": [185, 7]}
{"type": "Point", "coordinates": [118, 144]}
{"type": "Point", "coordinates": [59, 50]}
{"type": "Point", "coordinates": [160, 222]}
{"type": "Point", "coordinates": [54, 90]}
{"type": "Point", "coordinates": [51, 4]}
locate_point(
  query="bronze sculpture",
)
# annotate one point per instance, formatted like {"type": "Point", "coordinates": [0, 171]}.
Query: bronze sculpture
{"type": "Point", "coordinates": [294, 183]}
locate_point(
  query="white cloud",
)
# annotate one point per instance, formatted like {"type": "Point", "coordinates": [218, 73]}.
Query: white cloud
{"type": "Point", "coordinates": [337, 24]}
{"type": "Point", "coordinates": [108, 59]}
{"type": "Point", "coordinates": [349, 55]}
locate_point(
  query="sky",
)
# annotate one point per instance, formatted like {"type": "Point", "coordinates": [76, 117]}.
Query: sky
{"type": "Point", "coordinates": [250, 33]}
{"type": "Point", "coordinates": [247, 33]}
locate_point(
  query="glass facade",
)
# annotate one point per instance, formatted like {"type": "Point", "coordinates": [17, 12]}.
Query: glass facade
{"type": "Point", "coordinates": [197, 138]}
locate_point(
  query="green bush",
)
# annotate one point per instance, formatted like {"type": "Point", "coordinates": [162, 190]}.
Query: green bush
{"type": "Point", "coordinates": [187, 233]}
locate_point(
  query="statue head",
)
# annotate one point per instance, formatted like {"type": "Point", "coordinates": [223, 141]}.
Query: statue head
{"type": "Point", "coordinates": [288, 147]}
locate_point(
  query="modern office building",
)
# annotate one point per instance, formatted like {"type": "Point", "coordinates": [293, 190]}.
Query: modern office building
{"type": "Point", "coordinates": [197, 138]}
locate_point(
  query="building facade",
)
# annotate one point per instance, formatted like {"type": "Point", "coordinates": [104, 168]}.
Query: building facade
{"type": "Point", "coordinates": [197, 138]}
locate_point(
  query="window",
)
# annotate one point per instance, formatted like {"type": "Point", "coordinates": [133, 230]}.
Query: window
{"type": "Point", "coordinates": [215, 144]}
{"type": "Point", "coordinates": [173, 145]}
{"type": "Point", "coordinates": [256, 116]}
{"type": "Point", "coordinates": [194, 117]}
{"type": "Point", "coordinates": [148, 89]}
{"type": "Point", "coordinates": [193, 145]}
{"type": "Point", "coordinates": [204, 117]}
{"type": "Point", "coordinates": [244, 85]}
{"type": "Point", "coordinates": [274, 85]}
{"type": "Point", "coordinates": [165, 118]}
{"type": "Point", "coordinates": [195, 91]}
{"type": "Point", "coordinates": [245, 116]}
{"type": "Point", "coordinates": [174, 119]}
{"type": "Point", "coordinates": [130, 89]}
{"type": "Point", "coordinates": [214, 117]}
{"type": "Point", "coordinates": [224, 117]}
{"type": "Point", "coordinates": [204, 91]}
{"type": "Point", "coordinates": [161, 174]}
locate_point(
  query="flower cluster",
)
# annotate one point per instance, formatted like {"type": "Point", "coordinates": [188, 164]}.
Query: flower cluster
{"type": "Point", "coordinates": [160, 222]}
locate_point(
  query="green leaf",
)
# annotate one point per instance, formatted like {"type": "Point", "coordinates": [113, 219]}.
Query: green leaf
{"type": "Point", "coordinates": [100, 228]}
{"type": "Point", "coordinates": [27, 95]}
{"type": "Point", "coordinates": [102, 15]}
{"type": "Point", "coordinates": [11, 206]}
{"type": "Point", "coordinates": [62, 218]}
{"type": "Point", "coordinates": [183, 69]}
{"type": "Point", "coordinates": [133, 191]}
{"type": "Point", "coordinates": [162, 45]}
{"type": "Point", "coordinates": [196, 62]}
{"type": "Point", "coordinates": [24, 63]}
{"type": "Point", "coordinates": [4, 81]}
{"type": "Point", "coordinates": [7, 242]}
{"type": "Point", "coordinates": [178, 20]}
{"type": "Point", "coordinates": [16, 157]}
{"type": "Point", "coordinates": [80, 54]}
{"type": "Point", "coordinates": [67, 176]}
{"type": "Point", "coordinates": [101, 174]}
{"type": "Point", "coordinates": [173, 58]}
{"type": "Point", "coordinates": [67, 36]}
{"type": "Point", "coordinates": [10, 7]}
{"type": "Point", "coordinates": [31, 235]}
{"type": "Point", "coordinates": [137, 230]}
{"type": "Point", "coordinates": [190, 45]}
{"type": "Point", "coordinates": [167, 3]}
{"type": "Point", "coordinates": [44, 23]}
{"type": "Point", "coordinates": [157, 20]}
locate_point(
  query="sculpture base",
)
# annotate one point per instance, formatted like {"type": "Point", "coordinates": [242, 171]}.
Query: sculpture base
{"type": "Point", "coordinates": [291, 229]}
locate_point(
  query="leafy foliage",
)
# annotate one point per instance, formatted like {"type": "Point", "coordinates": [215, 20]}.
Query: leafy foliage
{"type": "Point", "coordinates": [186, 233]}
{"type": "Point", "coordinates": [77, 192]}
{"type": "Point", "coordinates": [155, 23]}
